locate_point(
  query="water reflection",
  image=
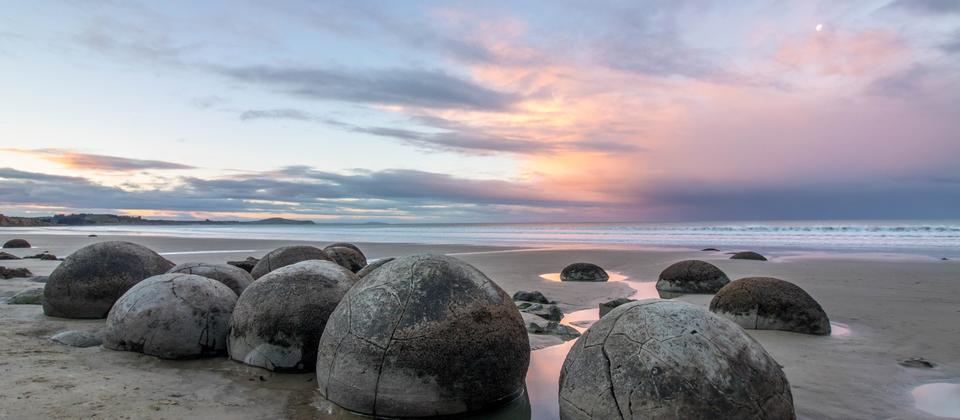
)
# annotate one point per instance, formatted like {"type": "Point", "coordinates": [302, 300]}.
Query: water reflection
{"type": "Point", "coordinates": [939, 399]}
{"type": "Point", "coordinates": [838, 329]}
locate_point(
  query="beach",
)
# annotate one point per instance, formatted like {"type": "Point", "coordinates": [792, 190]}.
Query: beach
{"type": "Point", "coordinates": [884, 309]}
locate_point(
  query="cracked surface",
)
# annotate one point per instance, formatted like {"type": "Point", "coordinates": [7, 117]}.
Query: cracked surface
{"type": "Point", "coordinates": [284, 256]}
{"type": "Point", "coordinates": [582, 271]}
{"type": "Point", "coordinates": [671, 360]}
{"type": "Point", "coordinates": [235, 278]}
{"type": "Point", "coordinates": [692, 276]}
{"type": "Point", "coordinates": [767, 303]}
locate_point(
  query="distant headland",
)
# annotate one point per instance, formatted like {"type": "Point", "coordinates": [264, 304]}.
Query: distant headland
{"type": "Point", "coordinates": [86, 219]}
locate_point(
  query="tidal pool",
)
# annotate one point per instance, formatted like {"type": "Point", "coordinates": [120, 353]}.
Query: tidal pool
{"type": "Point", "coordinates": [938, 399]}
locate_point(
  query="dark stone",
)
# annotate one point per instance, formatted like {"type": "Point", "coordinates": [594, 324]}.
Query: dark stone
{"type": "Point", "coordinates": [77, 338]}
{"type": "Point", "coordinates": [709, 249]}
{"type": "Point", "coordinates": [234, 277]}
{"type": "Point", "coordinates": [766, 303]}
{"type": "Point", "coordinates": [944, 259]}
{"type": "Point", "coordinates": [31, 296]}
{"type": "Point", "coordinates": [10, 273]}
{"type": "Point", "coordinates": [8, 256]}
{"type": "Point", "coordinates": [692, 276]}
{"type": "Point", "coordinates": [424, 335]}
{"type": "Point", "coordinates": [16, 243]}
{"type": "Point", "coordinates": [345, 245]}
{"type": "Point", "coordinates": [674, 360]}
{"type": "Point", "coordinates": [369, 268]}
{"type": "Point", "coordinates": [90, 280]}
{"type": "Point", "coordinates": [583, 272]}
{"type": "Point", "coordinates": [45, 256]}
{"type": "Point", "coordinates": [917, 362]}
{"type": "Point", "coordinates": [247, 264]}
{"type": "Point", "coordinates": [278, 320]}
{"type": "Point", "coordinates": [172, 316]}
{"type": "Point", "coordinates": [606, 307]}
{"type": "Point", "coordinates": [545, 311]}
{"type": "Point", "coordinates": [534, 296]}
{"type": "Point", "coordinates": [284, 256]}
{"type": "Point", "coordinates": [748, 255]}
{"type": "Point", "coordinates": [348, 258]}
{"type": "Point", "coordinates": [91, 236]}
{"type": "Point", "coordinates": [539, 325]}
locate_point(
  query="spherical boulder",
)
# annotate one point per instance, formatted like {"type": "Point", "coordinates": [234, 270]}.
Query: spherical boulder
{"type": "Point", "coordinates": [671, 359]}
{"type": "Point", "coordinates": [16, 243]}
{"type": "Point", "coordinates": [344, 245]}
{"type": "Point", "coordinates": [284, 256]}
{"type": "Point", "coordinates": [369, 268]}
{"type": "Point", "coordinates": [278, 320]}
{"type": "Point", "coordinates": [424, 335]}
{"type": "Point", "coordinates": [583, 272]}
{"type": "Point", "coordinates": [235, 278]}
{"type": "Point", "coordinates": [348, 258]}
{"type": "Point", "coordinates": [692, 276]}
{"type": "Point", "coordinates": [748, 255]}
{"type": "Point", "coordinates": [766, 303]}
{"type": "Point", "coordinates": [172, 316]}
{"type": "Point", "coordinates": [88, 282]}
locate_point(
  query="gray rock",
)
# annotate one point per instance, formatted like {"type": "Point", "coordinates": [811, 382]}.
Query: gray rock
{"type": "Point", "coordinates": [172, 316]}
{"type": "Point", "coordinates": [90, 280]}
{"type": "Point", "coordinates": [692, 276]}
{"type": "Point", "coordinates": [12, 273]}
{"type": "Point", "coordinates": [234, 277]}
{"type": "Point", "coordinates": [77, 338]}
{"type": "Point", "coordinates": [284, 256]}
{"type": "Point", "coordinates": [545, 311]}
{"type": "Point", "coordinates": [917, 362]}
{"type": "Point", "coordinates": [541, 326]}
{"type": "Point", "coordinates": [245, 265]}
{"type": "Point", "coordinates": [583, 272]}
{"type": "Point", "coordinates": [278, 320]}
{"type": "Point", "coordinates": [606, 307]}
{"type": "Point", "coordinates": [748, 255]}
{"type": "Point", "coordinates": [31, 296]}
{"type": "Point", "coordinates": [345, 245]}
{"type": "Point", "coordinates": [375, 264]}
{"type": "Point", "coordinates": [766, 303]}
{"type": "Point", "coordinates": [534, 296]}
{"type": "Point", "coordinates": [8, 256]}
{"type": "Point", "coordinates": [348, 258]}
{"type": "Point", "coordinates": [671, 359]}
{"type": "Point", "coordinates": [424, 335]}
{"type": "Point", "coordinates": [16, 243]}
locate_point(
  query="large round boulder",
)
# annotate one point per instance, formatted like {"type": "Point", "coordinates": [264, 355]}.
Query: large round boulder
{"type": "Point", "coordinates": [278, 320]}
{"type": "Point", "coordinates": [423, 335]}
{"type": "Point", "coordinates": [582, 271]}
{"type": "Point", "coordinates": [344, 245]}
{"type": "Point", "coordinates": [16, 243]}
{"type": "Point", "coordinates": [369, 268]}
{"type": "Point", "coordinates": [284, 256]}
{"type": "Point", "coordinates": [348, 258]}
{"type": "Point", "coordinates": [692, 276]}
{"type": "Point", "coordinates": [671, 359]}
{"type": "Point", "coordinates": [235, 278]}
{"type": "Point", "coordinates": [766, 303]}
{"type": "Point", "coordinates": [748, 255]}
{"type": "Point", "coordinates": [172, 316]}
{"type": "Point", "coordinates": [88, 282]}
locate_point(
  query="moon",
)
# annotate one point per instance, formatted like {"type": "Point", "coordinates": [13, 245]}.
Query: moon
{"type": "Point", "coordinates": [819, 27]}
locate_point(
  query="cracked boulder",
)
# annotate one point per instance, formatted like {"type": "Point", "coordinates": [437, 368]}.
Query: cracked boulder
{"type": "Point", "coordinates": [284, 256]}
{"type": "Point", "coordinates": [348, 258]}
{"type": "Point", "coordinates": [373, 265]}
{"type": "Point", "coordinates": [425, 335]}
{"type": "Point", "coordinates": [278, 320]}
{"type": "Point", "coordinates": [233, 277]}
{"type": "Point", "coordinates": [172, 316]}
{"type": "Point", "coordinates": [88, 282]}
{"type": "Point", "coordinates": [582, 271]}
{"type": "Point", "coordinates": [671, 359]}
{"type": "Point", "coordinates": [767, 303]}
{"type": "Point", "coordinates": [16, 243]}
{"type": "Point", "coordinates": [691, 276]}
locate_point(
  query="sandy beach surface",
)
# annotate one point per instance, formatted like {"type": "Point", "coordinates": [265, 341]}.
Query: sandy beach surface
{"type": "Point", "coordinates": [884, 310]}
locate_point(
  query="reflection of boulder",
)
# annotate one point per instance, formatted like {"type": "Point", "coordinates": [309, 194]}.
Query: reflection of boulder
{"type": "Point", "coordinates": [766, 303]}
{"type": "Point", "coordinates": [533, 296]}
{"type": "Point", "coordinates": [606, 307]}
{"type": "Point", "coordinates": [583, 272]}
{"type": "Point", "coordinates": [748, 255]}
{"type": "Point", "coordinates": [691, 276]}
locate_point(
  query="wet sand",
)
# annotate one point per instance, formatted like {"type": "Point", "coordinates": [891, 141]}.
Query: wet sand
{"type": "Point", "coordinates": [895, 308]}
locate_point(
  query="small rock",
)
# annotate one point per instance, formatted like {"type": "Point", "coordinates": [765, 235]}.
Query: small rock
{"type": "Point", "coordinates": [538, 325]}
{"type": "Point", "coordinates": [917, 362]}
{"type": "Point", "coordinates": [246, 264]}
{"type": "Point", "coordinates": [31, 296]}
{"type": "Point", "coordinates": [45, 256]}
{"type": "Point", "coordinates": [16, 243]}
{"type": "Point", "coordinates": [9, 273]}
{"type": "Point", "coordinates": [944, 259]}
{"type": "Point", "coordinates": [8, 256]}
{"type": "Point", "coordinates": [548, 312]}
{"type": "Point", "coordinates": [91, 236]}
{"type": "Point", "coordinates": [583, 272]}
{"type": "Point", "coordinates": [709, 249]}
{"type": "Point", "coordinates": [608, 306]}
{"type": "Point", "coordinates": [748, 255]}
{"type": "Point", "coordinates": [533, 296]}
{"type": "Point", "coordinates": [77, 338]}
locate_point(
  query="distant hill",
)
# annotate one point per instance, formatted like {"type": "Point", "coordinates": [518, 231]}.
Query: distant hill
{"type": "Point", "coordinates": [85, 219]}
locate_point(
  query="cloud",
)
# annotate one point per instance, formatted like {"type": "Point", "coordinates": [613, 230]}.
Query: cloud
{"type": "Point", "coordinates": [931, 7]}
{"type": "Point", "coordinates": [900, 84]}
{"type": "Point", "coordinates": [86, 161]}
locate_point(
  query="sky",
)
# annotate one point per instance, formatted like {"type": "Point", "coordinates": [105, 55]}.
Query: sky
{"type": "Point", "coordinates": [430, 111]}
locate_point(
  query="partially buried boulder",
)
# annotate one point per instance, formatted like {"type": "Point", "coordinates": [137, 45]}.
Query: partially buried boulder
{"type": "Point", "coordinates": [31, 296]}
{"type": "Point", "coordinates": [692, 276]}
{"type": "Point", "coordinates": [88, 282]}
{"type": "Point", "coordinates": [12, 273]}
{"type": "Point", "coordinates": [234, 277]}
{"type": "Point", "coordinates": [748, 255]}
{"type": "Point", "coordinates": [534, 296]}
{"type": "Point", "coordinates": [583, 272]}
{"type": "Point", "coordinates": [766, 303]}
{"type": "Point", "coordinates": [344, 245]}
{"type": "Point", "coordinates": [348, 258]}
{"type": "Point", "coordinates": [77, 338]}
{"type": "Point", "coordinates": [375, 264]}
{"type": "Point", "coordinates": [424, 335]}
{"type": "Point", "coordinates": [172, 316]}
{"type": "Point", "coordinates": [245, 265]}
{"type": "Point", "coordinates": [284, 256]}
{"type": "Point", "coordinates": [278, 320]}
{"type": "Point", "coordinates": [671, 359]}
{"type": "Point", "coordinates": [8, 256]}
{"type": "Point", "coordinates": [16, 243]}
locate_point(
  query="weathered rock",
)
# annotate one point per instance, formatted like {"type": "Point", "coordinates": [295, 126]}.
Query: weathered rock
{"type": "Point", "coordinates": [77, 338]}
{"type": "Point", "coordinates": [671, 359]}
{"type": "Point", "coordinates": [234, 277]}
{"type": "Point", "coordinates": [278, 320]}
{"type": "Point", "coordinates": [91, 236]}
{"type": "Point", "coordinates": [606, 307]}
{"type": "Point", "coordinates": [545, 311]}
{"type": "Point", "coordinates": [766, 303]}
{"type": "Point", "coordinates": [90, 280]}
{"type": "Point", "coordinates": [539, 325]}
{"type": "Point", "coordinates": [45, 256]}
{"type": "Point", "coordinates": [375, 264]}
{"type": "Point", "coordinates": [172, 316]}
{"type": "Point", "coordinates": [284, 256]}
{"type": "Point", "coordinates": [748, 255]}
{"type": "Point", "coordinates": [348, 258]}
{"type": "Point", "coordinates": [246, 265]}
{"type": "Point", "coordinates": [10, 273]}
{"type": "Point", "coordinates": [8, 256]}
{"type": "Point", "coordinates": [424, 335]}
{"type": "Point", "coordinates": [534, 296]}
{"type": "Point", "coordinates": [709, 249]}
{"type": "Point", "coordinates": [345, 245]}
{"type": "Point", "coordinates": [583, 272]}
{"type": "Point", "coordinates": [692, 276]}
{"type": "Point", "coordinates": [16, 243]}
{"type": "Point", "coordinates": [31, 296]}
{"type": "Point", "coordinates": [917, 362]}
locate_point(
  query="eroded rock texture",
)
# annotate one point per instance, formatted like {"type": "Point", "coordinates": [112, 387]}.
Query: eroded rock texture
{"type": "Point", "coordinates": [766, 303]}
{"type": "Point", "coordinates": [583, 272]}
{"type": "Point", "coordinates": [233, 277]}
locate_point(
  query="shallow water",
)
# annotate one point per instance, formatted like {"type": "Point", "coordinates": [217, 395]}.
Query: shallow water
{"type": "Point", "coordinates": [938, 399]}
